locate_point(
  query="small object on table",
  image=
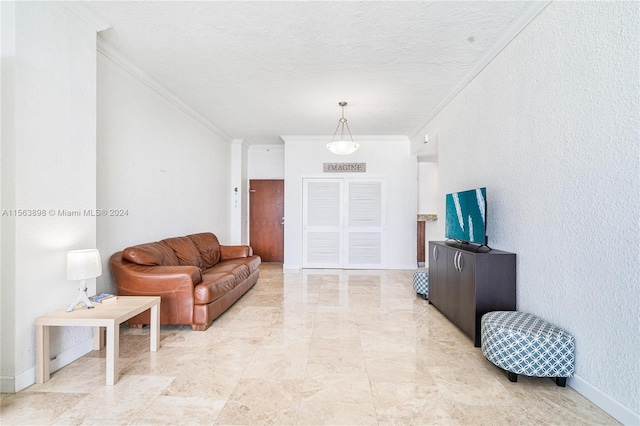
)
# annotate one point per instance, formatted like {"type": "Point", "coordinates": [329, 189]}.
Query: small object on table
{"type": "Point", "coordinates": [103, 298]}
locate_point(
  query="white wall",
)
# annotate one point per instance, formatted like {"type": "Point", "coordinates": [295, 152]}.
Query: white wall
{"type": "Point", "coordinates": [385, 157]}
{"type": "Point", "coordinates": [244, 194]}
{"type": "Point", "coordinates": [166, 169]}
{"type": "Point", "coordinates": [7, 197]}
{"type": "Point", "coordinates": [427, 187]}
{"type": "Point", "coordinates": [428, 200]}
{"type": "Point", "coordinates": [266, 162]}
{"type": "Point", "coordinates": [550, 127]}
{"type": "Point", "coordinates": [48, 164]}
{"type": "Point", "coordinates": [239, 192]}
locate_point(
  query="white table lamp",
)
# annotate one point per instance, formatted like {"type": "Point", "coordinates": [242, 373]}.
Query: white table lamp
{"type": "Point", "coordinates": [83, 265]}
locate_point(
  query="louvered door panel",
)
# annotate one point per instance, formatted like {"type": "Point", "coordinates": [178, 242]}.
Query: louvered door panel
{"type": "Point", "coordinates": [365, 204]}
{"type": "Point", "coordinates": [365, 226]}
{"type": "Point", "coordinates": [322, 223]}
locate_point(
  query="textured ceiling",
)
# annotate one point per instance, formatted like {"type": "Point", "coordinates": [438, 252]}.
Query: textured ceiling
{"type": "Point", "coordinates": [258, 70]}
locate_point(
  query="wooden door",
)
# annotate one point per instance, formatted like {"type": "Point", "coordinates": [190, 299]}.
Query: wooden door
{"type": "Point", "coordinates": [266, 218]}
{"type": "Point", "coordinates": [421, 243]}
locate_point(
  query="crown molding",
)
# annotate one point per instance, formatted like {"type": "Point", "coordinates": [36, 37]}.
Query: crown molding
{"type": "Point", "coordinates": [358, 138]}
{"type": "Point", "coordinates": [531, 10]}
{"type": "Point", "coordinates": [242, 142]}
{"type": "Point", "coordinates": [88, 15]}
{"type": "Point", "coordinates": [278, 146]}
{"type": "Point", "coordinates": [117, 57]}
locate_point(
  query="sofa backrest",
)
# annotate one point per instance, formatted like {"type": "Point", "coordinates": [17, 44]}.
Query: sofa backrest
{"type": "Point", "coordinates": [151, 254]}
{"type": "Point", "coordinates": [201, 250]}
{"type": "Point", "coordinates": [186, 251]}
{"type": "Point", "coordinates": [208, 246]}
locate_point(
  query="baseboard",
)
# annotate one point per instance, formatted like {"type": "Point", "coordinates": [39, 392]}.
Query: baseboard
{"type": "Point", "coordinates": [28, 377]}
{"type": "Point", "coordinates": [25, 379]}
{"type": "Point", "coordinates": [403, 267]}
{"type": "Point", "coordinates": [7, 384]}
{"type": "Point", "coordinates": [408, 266]}
{"type": "Point", "coordinates": [290, 267]}
{"type": "Point", "coordinates": [615, 409]}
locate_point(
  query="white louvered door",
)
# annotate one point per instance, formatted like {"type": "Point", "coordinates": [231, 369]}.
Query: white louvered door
{"type": "Point", "coordinates": [344, 223]}
{"type": "Point", "coordinates": [366, 224]}
{"type": "Point", "coordinates": [322, 223]}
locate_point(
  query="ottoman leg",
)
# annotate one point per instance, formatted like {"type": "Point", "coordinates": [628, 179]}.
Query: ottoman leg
{"type": "Point", "coordinates": [424, 296]}
{"type": "Point", "coordinates": [561, 381]}
{"type": "Point", "coordinates": [513, 377]}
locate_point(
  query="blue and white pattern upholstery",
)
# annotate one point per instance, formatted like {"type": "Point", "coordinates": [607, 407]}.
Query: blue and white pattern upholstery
{"type": "Point", "coordinates": [421, 282]}
{"type": "Point", "coordinates": [525, 344]}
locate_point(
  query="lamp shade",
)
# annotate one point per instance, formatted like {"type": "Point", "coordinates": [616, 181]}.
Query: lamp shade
{"type": "Point", "coordinates": [343, 147]}
{"type": "Point", "coordinates": [83, 264]}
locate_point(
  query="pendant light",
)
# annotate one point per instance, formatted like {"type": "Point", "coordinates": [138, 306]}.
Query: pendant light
{"type": "Point", "coordinates": [342, 146]}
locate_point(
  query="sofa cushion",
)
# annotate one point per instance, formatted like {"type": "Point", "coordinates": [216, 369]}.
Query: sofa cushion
{"type": "Point", "coordinates": [252, 262]}
{"type": "Point", "coordinates": [208, 246]}
{"type": "Point", "coordinates": [214, 285]}
{"type": "Point", "coordinates": [238, 270]}
{"type": "Point", "coordinates": [186, 251]}
{"type": "Point", "coordinates": [151, 254]}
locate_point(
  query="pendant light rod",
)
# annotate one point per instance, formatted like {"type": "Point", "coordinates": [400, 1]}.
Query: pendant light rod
{"type": "Point", "coordinates": [342, 146]}
{"type": "Point", "coordinates": [342, 122]}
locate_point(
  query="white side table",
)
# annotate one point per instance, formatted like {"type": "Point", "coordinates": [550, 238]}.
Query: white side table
{"type": "Point", "coordinates": [109, 315]}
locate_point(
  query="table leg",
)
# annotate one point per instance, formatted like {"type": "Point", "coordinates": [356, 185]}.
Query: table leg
{"type": "Point", "coordinates": [98, 338]}
{"type": "Point", "coordinates": [42, 354]}
{"type": "Point", "coordinates": [113, 353]}
{"type": "Point", "coordinates": [155, 328]}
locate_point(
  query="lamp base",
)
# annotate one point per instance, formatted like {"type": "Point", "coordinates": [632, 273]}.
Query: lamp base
{"type": "Point", "coordinates": [82, 298]}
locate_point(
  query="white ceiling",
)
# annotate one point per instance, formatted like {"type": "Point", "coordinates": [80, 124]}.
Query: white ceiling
{"type": "Point", "coordinates": [258, 70]}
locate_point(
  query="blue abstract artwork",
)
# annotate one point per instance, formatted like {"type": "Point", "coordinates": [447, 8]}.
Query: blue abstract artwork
{"type": "Point", "coordinates": [466, 215]}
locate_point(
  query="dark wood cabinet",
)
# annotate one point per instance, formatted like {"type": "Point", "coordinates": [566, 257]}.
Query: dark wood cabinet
{"type": "Point", "coordinates": [466, 284]}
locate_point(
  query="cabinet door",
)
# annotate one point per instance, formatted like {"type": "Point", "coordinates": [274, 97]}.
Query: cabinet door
{"type": "Point", "coordinates": [433, 273]}
{"type": "Point", "coordinates": [453, 286]}
{"type": "Point", "coordinates": [466, 266]}
{"type": "Point", "coordinates": [437, 275]}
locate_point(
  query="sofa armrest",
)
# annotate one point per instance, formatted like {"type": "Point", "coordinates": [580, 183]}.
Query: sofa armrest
{"type": "Point", "coordinates": [133, 279]}
{"type": "Point", "coordinates": [234, 252]}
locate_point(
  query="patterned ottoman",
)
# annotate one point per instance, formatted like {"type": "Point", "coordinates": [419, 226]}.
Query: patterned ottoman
{"type": "Point", "coordinates": [522, 343]}
{"type": "Point", "coordinates": [421, 282]}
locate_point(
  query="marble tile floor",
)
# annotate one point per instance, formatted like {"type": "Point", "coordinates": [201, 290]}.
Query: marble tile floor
{"type": "Point", "coordinates": [311, 347]}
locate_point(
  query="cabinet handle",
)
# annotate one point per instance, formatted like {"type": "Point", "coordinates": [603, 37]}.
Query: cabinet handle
{"type": "Point", "coordinates": [457, 261]}
{"type": "Point", "coordinates": [435, 253]}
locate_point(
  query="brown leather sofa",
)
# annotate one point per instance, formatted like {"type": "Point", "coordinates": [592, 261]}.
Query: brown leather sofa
{"type": "Point", "coordinates": [196, 277]}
